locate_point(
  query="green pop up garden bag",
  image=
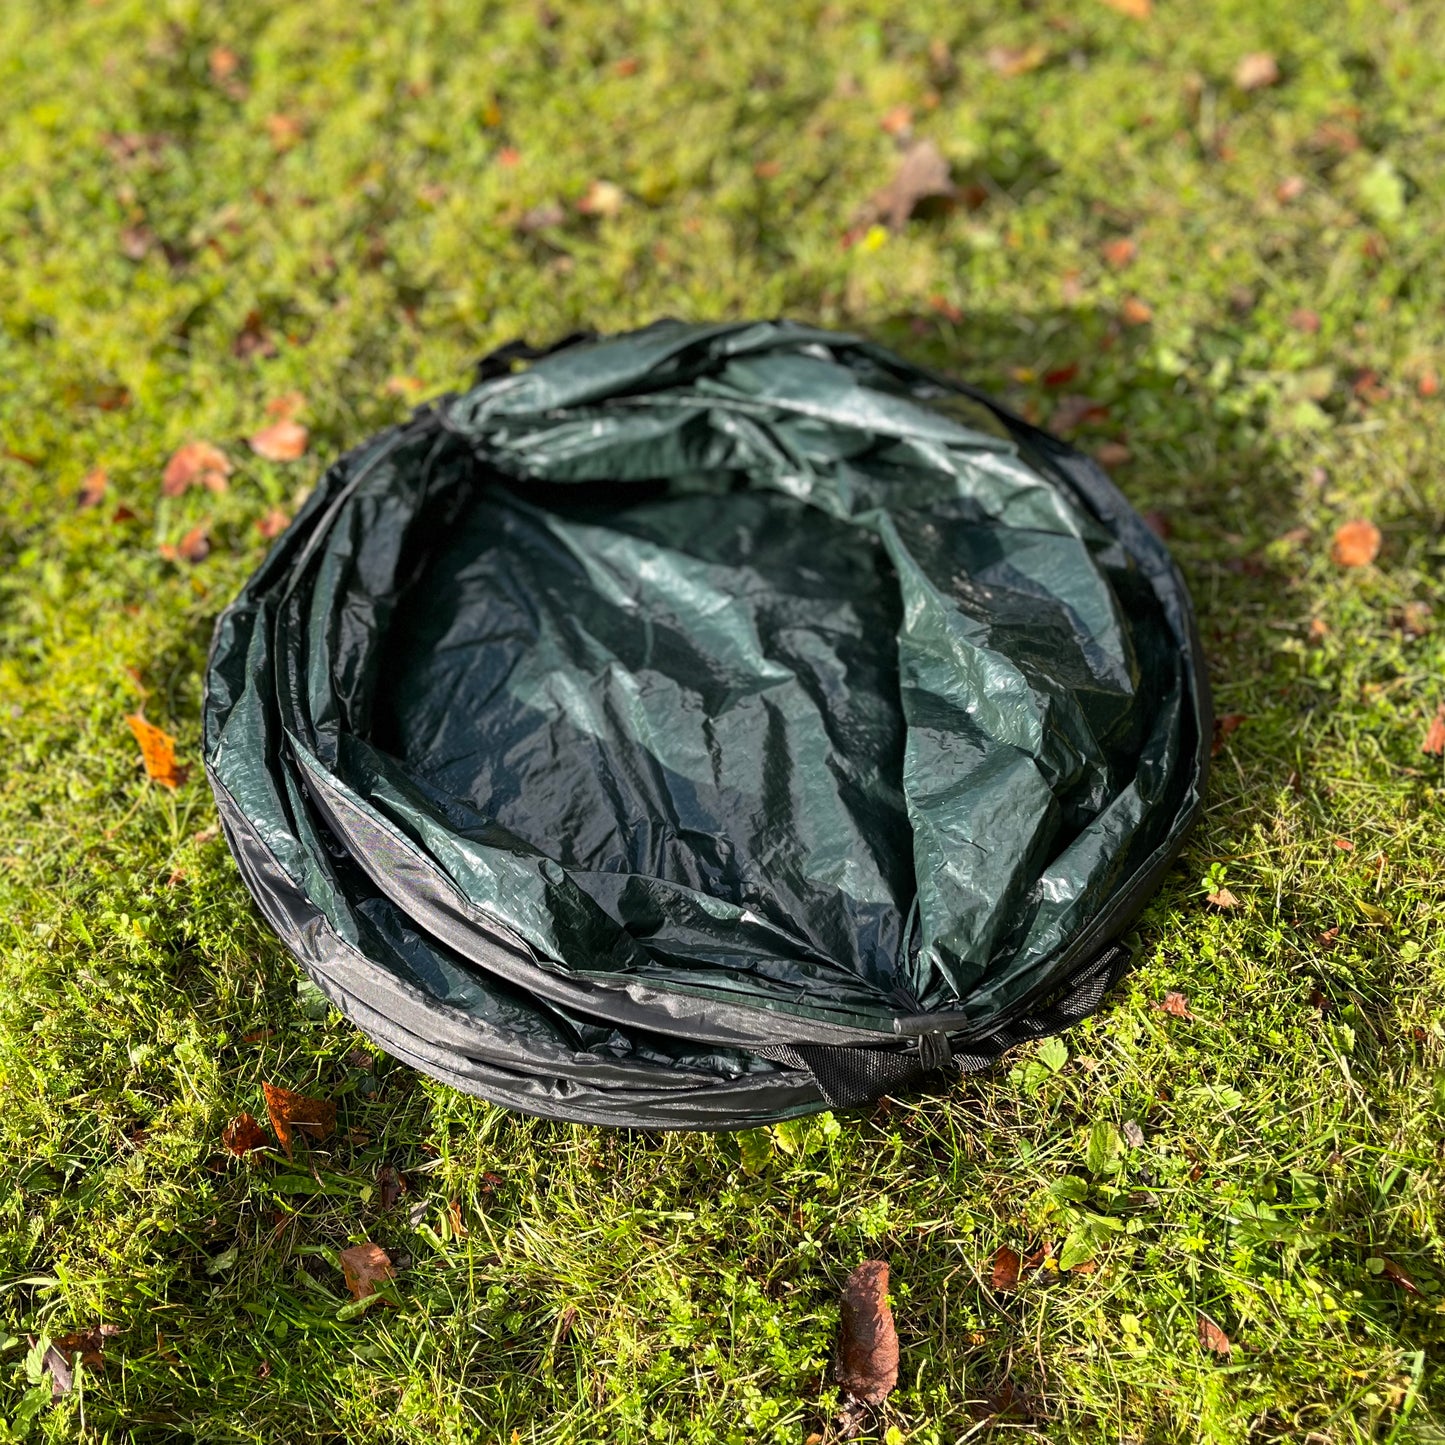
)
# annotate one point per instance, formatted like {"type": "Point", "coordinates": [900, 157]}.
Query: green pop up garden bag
{"type": "Point", "coordinates": [705, 725]}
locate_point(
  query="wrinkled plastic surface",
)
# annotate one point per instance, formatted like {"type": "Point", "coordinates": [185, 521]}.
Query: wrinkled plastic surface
{"type": "Point", "coordinates": [694, 692]}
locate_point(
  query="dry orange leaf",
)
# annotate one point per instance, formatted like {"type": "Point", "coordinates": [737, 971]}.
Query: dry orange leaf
{"type": "Point", "coordinates": [898, 121]}
{"type": "Point", "coordinates": [195, 464]}
{"type": "Point", "coordinates": [1399, 1276]}
{"type": "Point", "coordinates": [1004, 1272]}
{"type": "Point", "coordinates": [285, 131]}
{"type": "Point", "coordinates": [1135, 312]}
{"type": "Point", "coordinates": [1356, 544]}
{"type": "Point", "coordinates": [1434, 743]}
{"type": "Point", "coordinates": [1222, 898]}
{"type": "Point", "coordinates": [243, 1134]}
{"type": "Point", "coordinates": [1113, 454]}
{"type": "Point", "coordinates": [224, 63]}
{"type": "Point", "coordinates": [1121, 251]}
{"type": "Point", "coordinates": [365, 1266]}
{"type": "Point", "coordinates": [923, 174]}
{"type": "Point", "coordinates": [1211, 1337]}
{"type": "Point", "coordinates": [603, 198]}
{"type": "Point", "coordinates": [454, 1218]}
{"type": "Point", "coordinates": [868, 1341]}
{"type": "Point", "coordinates": [1013, 60]}
{"type": "Point", "coordinates": [1256, 71]}
{"type": "Point", "coordinates": [286, 406]}
{"type": "Point", "coordinates": [92, 488]}
{"type": "Point", "coordinates": [158, 751]}
{"type": "Point", "coordinates": [1134, 9]}
{"type": "Point", "coordinates": [194, 547]}
{"type": "Point", "coordinates": [290, 1112]}
{"type": "Point", "coordinates": [1175, 1004]}
{"type": "Point", "coordinates": [273, 524]}
{"type": "Point", "coordinates": [1224, 726]}
{"type": "Point", "coordinates": [282, 441]}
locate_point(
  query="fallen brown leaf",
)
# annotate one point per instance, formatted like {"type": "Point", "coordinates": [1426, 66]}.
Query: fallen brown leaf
{"type": "Point", "coordinates": [1221, 898]}
{"type": "Point", "coordinates": [1010, 1401]}
{"type": "Point", "coordinates": [1224, 727]}
{"type": "Point", "coordinates": [1135, 312]}
{"type": "Point", "coordinates": [286, 406]}
{"type": "Point", "coordinates": [253, 339]}
{"type": "Point", "coordinates": [136, 242]}
{"type": "Point", "coordinates": [195, 464]}
{"type": "Point", "coordinates": [273, 524]}
{"type": "Point", "coordinates": [1175, 1004]}
{"type": "Point", "coordinates": [1413, 619]}
{"type": "Point", "coordinates": [242, 1135]}
{"type": "Point", "coordinates": [1113, 454]}
{"type": "Point", "coordinates": [365, 1266]}
{"type": "Point", "coordinates": [92, 488]}
{"type": "Point", "coordinates": [58, 1368]}
{"type": "Point", "coordinates": [285, 132]}
{"type": "Point", "coordinates": [223, 63]}
{"type": "Point", "coordinates": [1290, 189]}
{"type": "Point", "coordinates": [1061, 375]}
{"type": "Point", "coordinates": [1303, 319]}
{"type": "Point", "coordinates": [1319, 629]}
{"type": "Point", "coordinates": [1399, 1276]}
{"type": "Point", "coordinates": [390, 1186]}
{"type": "Point", "coordinates": [1356, 544]}
{"type": "Point", "coordinates": [1013, 60]}
{"type": "Point", "coordinates": [290, 1112]}
{"type": "Point", "coordinates": [282, 441]}
{"type": "Point", "coordinates": [923, 174]}
{"type": "Point", "coordinates": [1158, 522]}
{"type": "Point", "coordinates": [1368, 387]}
{"type": "Point", "coordinates": [1073, 411]}
{"type": "Point", "coordinates": [898, 121]}
{"type": "Point", "coordinates": [1121, 251]}
{"type": "Point", "coordinates": [1211, 1337]}
{"type": "Point", "coordinates": [194, 547]}
{"type": "Point", "coordinates": [604, 199]}
{"type": "Point", "coordinates": [88, 1344]}
{"type": "Point", "coordinates": [1004, 1272]}
{"type": "Point", "coordinates": [1434, 743]}
{"type": "Point", "coordinates": [1134, 9]}
{"type": "Point", "coordinates": [1256, 71]}
{"type": "Point", "coordinates": [158, 751]}
{"type": "Point", "coordinates": [867, 1366]}
{"type": "Point", "coordinates": [454, 1218]}
{"type": "Point", "coordinates": [1428, 384]}
{"type": "Point", "coordinates": [541, 217]}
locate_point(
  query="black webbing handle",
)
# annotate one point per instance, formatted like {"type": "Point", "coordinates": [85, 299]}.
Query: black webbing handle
{"type": "Point", "coordinates": [850, 1076]}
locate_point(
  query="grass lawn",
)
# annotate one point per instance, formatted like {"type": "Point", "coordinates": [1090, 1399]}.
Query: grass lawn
{"type": "Point", "coordinates": [206, 207]}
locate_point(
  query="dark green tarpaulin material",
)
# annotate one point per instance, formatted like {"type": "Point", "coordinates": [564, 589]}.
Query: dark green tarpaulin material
{"type": "Point", "coordinates": [706, 725]}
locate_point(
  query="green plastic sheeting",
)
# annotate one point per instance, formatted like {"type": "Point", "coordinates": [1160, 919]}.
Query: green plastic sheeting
{"type": "Point", "coordinates": [705, 725]}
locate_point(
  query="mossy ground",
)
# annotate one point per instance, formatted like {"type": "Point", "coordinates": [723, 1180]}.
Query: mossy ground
{"type": "Point", "coordinates": [172, 257]}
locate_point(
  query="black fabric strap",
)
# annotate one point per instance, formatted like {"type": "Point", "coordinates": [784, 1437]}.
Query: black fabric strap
{"type": "Point", "coordinates": [850, 1076]}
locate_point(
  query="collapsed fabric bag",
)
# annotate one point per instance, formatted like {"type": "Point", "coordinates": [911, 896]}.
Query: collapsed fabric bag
{"type": "Point", "coordinates": [706, 725]}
